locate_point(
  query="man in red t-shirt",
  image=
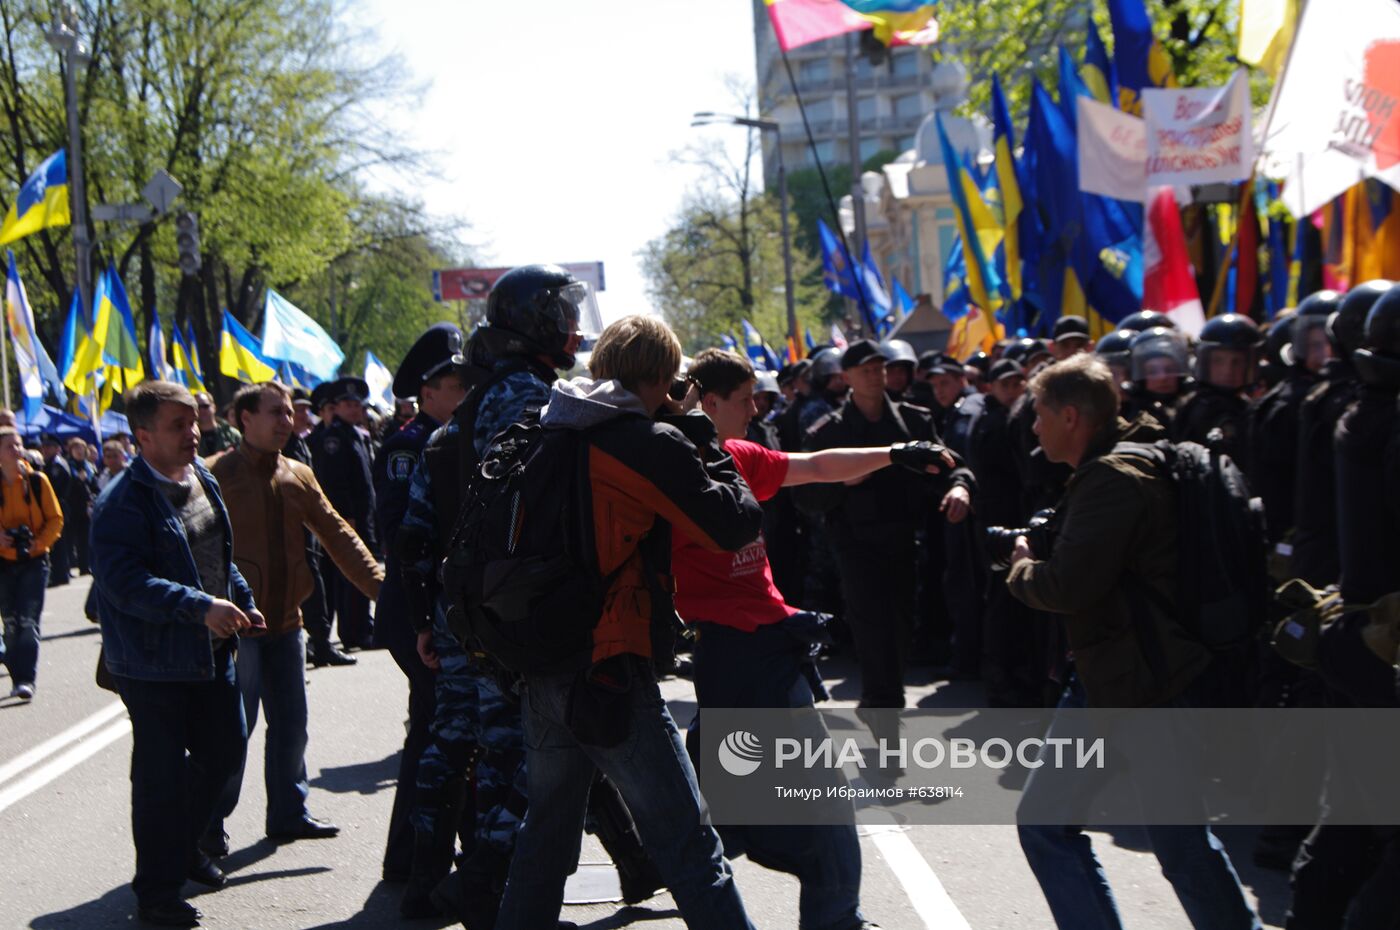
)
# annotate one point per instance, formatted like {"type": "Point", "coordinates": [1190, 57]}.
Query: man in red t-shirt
{"type": "Point", "coordinates": [752, 649]}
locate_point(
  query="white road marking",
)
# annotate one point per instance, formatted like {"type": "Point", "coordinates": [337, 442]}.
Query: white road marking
{"type": "Point", "coordinates": [926, 893]}
{"type": "Point", "coordinates": [50, 746]}
{"type": "Point", "coordinates": [60, 764]}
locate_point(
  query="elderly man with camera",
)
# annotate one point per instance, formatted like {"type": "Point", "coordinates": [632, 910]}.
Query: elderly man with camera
{"type": "Point", "coordinates": [1111, 569]}
{"type": "Point", "coordinates": [30, 523]}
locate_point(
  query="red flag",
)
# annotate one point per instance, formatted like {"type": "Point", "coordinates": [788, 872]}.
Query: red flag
{"type": "Point", "coordinates": [800, 22]}
{"type": "Point", "coordinates": [1168, 283]}
{"type": "Point", "coordinates": [1247, 254]}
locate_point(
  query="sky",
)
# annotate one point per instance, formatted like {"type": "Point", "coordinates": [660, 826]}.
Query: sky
{"type": "Point", "coordinates": [551, 123]}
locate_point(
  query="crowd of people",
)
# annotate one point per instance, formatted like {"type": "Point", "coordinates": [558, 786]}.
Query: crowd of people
{"type": "Point", "coordinates": [1011, 519]}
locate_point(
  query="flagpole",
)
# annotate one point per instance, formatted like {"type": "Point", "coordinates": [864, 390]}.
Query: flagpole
{"type": "Point", "coordinates": [5, 357]}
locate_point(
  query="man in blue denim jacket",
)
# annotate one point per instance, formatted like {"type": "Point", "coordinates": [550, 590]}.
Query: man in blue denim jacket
{"type": "Point", "coordinates": [172, 605]}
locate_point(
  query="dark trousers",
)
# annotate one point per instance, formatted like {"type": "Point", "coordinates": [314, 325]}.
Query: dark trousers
{"type": "Point", "coordinates": [315, 610]}
{"type": "Point", "coordinates": [188, 740]}
{"type": "Point", "coordinates": [422, 707]}
{"type": "Point", "coordinates": [764, 669]}
{"type": "Point", "coordinates": [21, 604]}
{"type": "Point", "coordinates": [877, 584]}
{"type": "Point", "coordinates": [80, 527]}
{"type": "Point", "coordinates": [964, 581]}
{"type": "Point", "coordinates": [352, 612]}
{"type": "Point", "coordinates": [61, 555]}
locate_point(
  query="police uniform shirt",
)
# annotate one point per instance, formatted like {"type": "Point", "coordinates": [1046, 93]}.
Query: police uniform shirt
{"type": "Point", "coordinates": [342, 467]}
{"type": "Point", "coordinates": [892, 502]}
{"type": "Point", "coordinates": [393, 469]}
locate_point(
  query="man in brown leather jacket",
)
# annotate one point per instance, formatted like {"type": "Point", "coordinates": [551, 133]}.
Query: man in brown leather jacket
{"type": "Point", "coordinates": [271, 498]}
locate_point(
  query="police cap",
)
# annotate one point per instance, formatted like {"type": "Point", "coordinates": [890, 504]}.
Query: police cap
{"type": "Point", "coordinates": [427, 358]}
{"type": "Point", "coordinates": [862, 351]}
{"type": "Point", "coordinates": [321, 394]}
{"type": "Point", "coordinates": [1006, 368]}
{"type": "Point", "coordinates": [348, 388]}
{"type": "Point", "coordinates": [1071, 327]}
{"type": "Point", "coordinates": [942, 364]}
{"type": "Point", "coordinates": [301, 395]}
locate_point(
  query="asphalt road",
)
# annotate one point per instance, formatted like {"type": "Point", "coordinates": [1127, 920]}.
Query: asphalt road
{"type": "Point", "coordinates": [67, 858]}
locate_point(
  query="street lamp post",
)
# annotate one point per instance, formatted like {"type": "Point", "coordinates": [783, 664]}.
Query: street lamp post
{"type": "Point", "coordinates": [67, 42]}
{"type": "Point", "coordinates": [707, 118]}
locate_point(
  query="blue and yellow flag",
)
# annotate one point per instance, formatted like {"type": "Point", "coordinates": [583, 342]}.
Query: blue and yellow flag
{"type": "Point", "coordinates": [91, 339]}
{"type": "Point", "coordinates": [1008, 174]}
{"type": "Point", "coordinates": [192, 347]}
{"type": "Point", "coordinates": [240, 354]}
{"type": "Point", "coordinates": [1138, 57]}
{"type": "Point", "coordinates": [978, 227]}
{"type": "Point", "coordinates": [185, 369]}
{"type": "Point", "coordinates": [42, 200]}
{"type": "Point", "coordinates": [120, 350]}
{"type": "Point", "coordinates": [1098, 72]}
{"type": "Point", "coordinates": [837, 274]}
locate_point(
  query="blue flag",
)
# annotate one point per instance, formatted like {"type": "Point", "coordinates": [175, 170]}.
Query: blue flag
{"type": "Point", "coordinates": [161, 370]}
{"type": "Point", "coordinates": [289, 335]}
{"type": "Point", "coordinates": [956, 302]}
{"type": "Point", "coordinates": [837, 274]}
{"type": "Point", "coordinates": [903, 303]}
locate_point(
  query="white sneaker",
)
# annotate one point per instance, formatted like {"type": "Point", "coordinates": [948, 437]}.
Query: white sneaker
{"type": "Point", "coordinates": [24, 692]}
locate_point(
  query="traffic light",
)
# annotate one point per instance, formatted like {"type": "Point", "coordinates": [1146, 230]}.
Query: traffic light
{"type": "Point", "coordinates": [187, 241]}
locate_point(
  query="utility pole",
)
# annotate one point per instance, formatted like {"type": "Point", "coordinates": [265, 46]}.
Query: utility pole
{"type": "Point", "coordinates": [66, 40]}
{"type": "Point", "coordinates": [857, 196]}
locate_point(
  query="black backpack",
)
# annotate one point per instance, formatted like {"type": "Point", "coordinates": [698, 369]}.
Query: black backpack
{"type": "Point", "coordinates": [1222, 562]}
{"type": "Point", "coordinates": [521, 570]}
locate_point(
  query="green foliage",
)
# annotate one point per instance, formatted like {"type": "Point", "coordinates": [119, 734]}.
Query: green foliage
{"type": "Point", "coordinates": [722, 260]}
{"type": "Point", "coordinates": [1019, 39]}
{"type": "Point", "coordinates": [265, 110]}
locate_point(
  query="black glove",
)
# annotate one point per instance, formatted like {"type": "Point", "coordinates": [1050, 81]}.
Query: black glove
{"type": "Point", "coordinates": [917, 456]}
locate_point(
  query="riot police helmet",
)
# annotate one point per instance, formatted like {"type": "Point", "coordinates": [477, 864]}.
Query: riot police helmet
{"type": "Point", "coordinates": [1313, 313]}
{"type": "Point", "coordinates": [899, 352]}
{"type": "Point", "coordinates": [1146, 319]}
{"type": "Point", "coordinates": [825, 363]}
{"type": "Point", "coordinates": [1378, 362]}
{"type": "Point", "coordinates": [1227, 354]}
{"type": "Point", "coordinates": [536, 310]}
{"type": "Point", "coordinates": [1158, 355]}
{"type": "Point", "coordinates": [1347, 327]}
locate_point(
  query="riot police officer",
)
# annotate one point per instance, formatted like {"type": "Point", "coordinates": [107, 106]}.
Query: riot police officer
{"type": "Point", "coordinates": [1273, 418]}
{"type": "Point", "coordinates": [1115, 349]}
{"type": "Point", "coordinates": [1342, 870]}
{"type": "Point", "coordinates": [342, 461]}
{"type": "Point", "coordinates": [1368, 487]}
{"type": "Point", "coordinates": [1216, 415]}
{"type": "Point", "coordinates": [899, 370]}
{"type": "Point", "coordinates": [1314, 497]}
{"type": "Point", "coordinates": [829, 388]}
{"type": "Point", "coordinates": [426, 373]}
{"type": "Point", "coordinates": [796, 384]}
{"type": "Point", "coordinates": [872, 524]}
{"type": "Point", "coordinates": [1157, 375]}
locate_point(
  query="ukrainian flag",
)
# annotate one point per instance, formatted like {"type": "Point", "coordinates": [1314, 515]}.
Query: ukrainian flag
{"type": "Point", "coordinates": [87, 357]}
{"type": "Point", "coordinates": [42, 201]}
{"type": "Point", "coordinates": [120, 350]}
{"type": "Point", "coordinates": [979, 229]}
{"type": "Point", "coordinates": [240, 354]}
{"type": "Point", "coordinates": [1138, 57]}
{"type": "Point", "coordinates": [1009, 180]}
{"type": "Point", "coordinates": [192, 347]}
{"type": "Point", "coordinates": [186, 371]}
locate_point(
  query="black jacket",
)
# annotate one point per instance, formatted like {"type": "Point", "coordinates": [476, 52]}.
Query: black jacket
{"type": "Point", "coordinates": [1315, 557]}
{"type": "Point", "coordinates": [1368, 496]}
{"type": "Point", "coordinates": [1273, 444]}
{"type": "Point", "coordinates": [891, 504]}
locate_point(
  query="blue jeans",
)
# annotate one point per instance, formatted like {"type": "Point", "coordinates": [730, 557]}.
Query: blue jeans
{"type": "Point", "coordinates": [271, 670]}
{"type": "Point", "coordinates": [652, 772]}
{"type": "Point", "coordinates": [761, 669]}
{"type": "Point", "coordinates": [22, 587]}
{"type": "Point", "coordinates": [187, 738]}
{"type": "Point", "coordinates": [1073, 881]}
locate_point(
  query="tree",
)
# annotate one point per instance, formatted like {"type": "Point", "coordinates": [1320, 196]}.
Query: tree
{"type": "Point", "coordinates": [263, 109]}
{"type": "Point", "coordinates": [721, 262]}
{"type": "Point", "coordinates": [1020, 39]}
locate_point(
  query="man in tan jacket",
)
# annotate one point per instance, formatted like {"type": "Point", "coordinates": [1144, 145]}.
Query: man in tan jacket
{"type": "Point", "coordinates": [271, 498]}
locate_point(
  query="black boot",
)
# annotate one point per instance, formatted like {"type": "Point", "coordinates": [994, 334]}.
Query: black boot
{"type": "Point", "coordinates": [432, 852]}
{"type": "Point", "coordinates": [611, 821]}
{"type": "Point", "coordinates": [472, 894]}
